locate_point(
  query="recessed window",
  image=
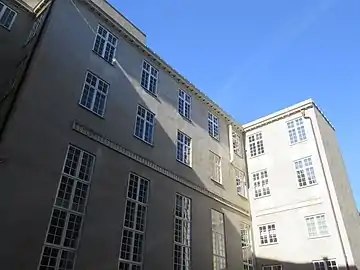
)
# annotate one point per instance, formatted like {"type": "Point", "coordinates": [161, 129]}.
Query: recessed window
{"type": "Point", "coordinates": [296, 130]}
{"type": "Point", "coordinates": [261, 184]}
{"type": "Point", "coordinates": [325, 265]}
{"type": "Point", "coordinates": [7, 16]}
{"type": "Point", "coordinates": [105, 44]}
{"type": "Point", "coordinates": [94, 94]}
{"type": "Point", "coordinates": [133, 235]}
{"type": "Point", "coordinates": [272, 267]}
{"type": "Point", "coordinates": [182, 233]}
{"type": "Point", "coordinates": [317, 226]}
{"type": "Point", "coordinates": [268, 234]}
{"type": "Point", "coordinates": [213, 126]}
{"type": "Point", "coordinates": [144, 125]}
{"type": "Point", "coordinates": [246, 245]}
{"type": "Point", "coordinates": [241, 186]}
{"type": "Point", "coordinates": [218, 239]}
{"type": "Point", "coordinates": [237, 144]}
{"type": "Point", "coordinates": [215, 167]}
{"type": "Point", "coordinates": [149, 78]}
{"type": "Point", "coordinates": [256, 144]}
{"type": "Point", "coordinates": [305, 172]}
{"type": "Point", "coordinates": [184, 104]}
{"type": "Point", "coordinates": [183, 149]}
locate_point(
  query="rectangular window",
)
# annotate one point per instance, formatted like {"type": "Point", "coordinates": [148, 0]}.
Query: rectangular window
{"type": "Point", "coordinates": [325, 265]}
{"type": "Point", "coordinates": [246, 244]}
{"type": "Point", "coordinates": [215, 167]}
{"type": "Point", "coordinates": [261, 184]}
{"type": "Point", "coordinates": [317, 226]}
{"type": "Point", "coordinates": [256, 144]}
{"type": "Point", "coordinates": [241, 186]}
{"type": "Point", "coordinates": [149, 78]}
{"type": "Point", "coordinates": [182, 233]}
{"type": "Point", "coordinates": [218, 239]}
{"type": "Point", "coordinates": [272, 267]}
{"type": "Point", "coordinates": [296, 130]}
{"type": "Point", "coordinates": [237, 144]}
{"type": "Point", "coordinates": [105, 44]}
{"type": "Point", "coordinates": [183, 149]}
{"type": "Point", "coordinates": [7, 16]}
{"type": "Point", "coordinates": [213, 126]}
{"type": "Point", "coordinates": [305, 172]}
{"type": "Point", "coordinates": [63, 235]}
{"type": "Point", "coordinates": [184, 106]}
{"type": "Point", "coordinates": [94, 94]}
{"type": "Point", "coordinates": [268, 234]}
{"type": "Point", "coordinates": [133, 235]}
{"type": "Point", "coordinates": [144, 125]}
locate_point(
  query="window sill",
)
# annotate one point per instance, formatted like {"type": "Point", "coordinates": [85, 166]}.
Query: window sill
{"type": "Point", "coordinates": [242, 196]}
{"type": "Point", "coordinates": [257, 155]}
{"type": "Point", "coordinates": [219, 184]}
{"type": "Point", "coordinates": [295, 143]}
{"type": "Point", "coordinates": [265, 196]}
{"type": "Point", "coordinates": [216, 139]}
{"type": "Point", "coordinates": [6, 28]}
{"type": "Point", "coordinates": [155, 95]}
{"type": "Point", "coordinates": [89, 110]}
{"type": "Point", "coordinates": [309, 185]}
{"type": "Point", "coordinates": [186, 119]}
{"type": "Point", "coordinates": [269, 244]}
{"type": "Point", "coordinates": [110, 63]}
{"type": "Point", "coordinates": [239, 156]}
{"type": "Point", "coordinates": [183, 163]}
{"type": "Point", "coordinates": [318, 237]}
{"type": "Point", "coordinates": [150, 144]}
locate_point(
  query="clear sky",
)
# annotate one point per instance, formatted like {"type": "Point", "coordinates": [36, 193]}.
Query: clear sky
{"type": "Point", "coordinates": [256, 57]}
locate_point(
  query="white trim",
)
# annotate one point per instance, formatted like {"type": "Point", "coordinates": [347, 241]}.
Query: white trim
{"type": "Point", "coordinates": [149, 78]}
{"type": "Point", "coordinates": [142, 138]}
{"type": "Point", "coordinates": [185, 148]}
{"type": "Point", "coordinates": [102, 55]}
{"type": "Point", "coordinates": [186, 94]}
{"type": "Point", "coordinates": [2, 11]}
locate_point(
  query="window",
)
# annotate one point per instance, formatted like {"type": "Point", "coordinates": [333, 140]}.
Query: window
{"type": "Point", "coordinates": [325, 265]}
{"type": "Point", "coordinates": [241, 186]}
{"type": "Point", "coordinates": [256, 145]}
{"type": "Point", "coordinates": [133, 235]}
{"type": "Point", "coordinates": [317, 226]}
{"type": "Point", "coordinates": [63, 235]}
{"type": "Point", "coordinates": [105, 44]}
{"type": "Point", "coordinates": [144, 126]}
{"type": "Point", "coordinates": [183, 150]}
{"type": "Point", "coordinates": [272, 267]}
{"type": "Point", "coordinates": [261, 184]}
{"type": "Point", "coordinates": [218, 239]}
{"type": "Point", "coordinates": [215, 167]}
{"type": "Point", "coordinates": [237, 144]}
{"type": "Point", "coordinates": [184, 104]}
{"type": "Point", "coordinates": [268, 234]}
{"type": "Point", "coordinates": [296, 130]}
{"type": "Point", "coordinates": [7, 16]}
{"type": "Point", "coordinates": [305, 172]}
{"type": "Point", "coordinates": [35, 29]}
{"type": "Point", "coordinates": [245, 232]}
{"type": "Point", "coordinates": [94, 94]}
{"type": "Point", "coordinates": [213, 126]}
{"type": "Point", "coordinates": [182, 233]}
{"type": "Point", "coordinates": [149, 78]}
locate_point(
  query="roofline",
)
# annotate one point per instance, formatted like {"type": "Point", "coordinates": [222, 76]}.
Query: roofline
{"type": "Point", "coordinates": [276, 116]}
{"type": "Point", "coordinates": [24, 5]}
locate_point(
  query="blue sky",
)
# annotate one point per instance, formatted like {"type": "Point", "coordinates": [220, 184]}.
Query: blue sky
{"type": "Point", "coordinates": [256, 57]}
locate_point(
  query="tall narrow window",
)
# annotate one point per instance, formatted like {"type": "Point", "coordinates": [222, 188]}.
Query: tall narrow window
{"type": "Point", "coordinates": [256, 144]}
{"type": "Point", "coordinates": [325, 265]}
{"type": "Point", "coordinates": [237, 144]}
{"type": "Point", "coordinates": [183, 149]}
{"type": "Point", "coordinates": [261, 184]}
{"type": "Point", "coordinates": [213, 126]}
{"type": "Point", "coordinates": [132, 242]}
{"type": "Point", "coordinates": [296, 130]}
{"type": "Point", "coordinates": [246, 245]}
{"type": "Point", "coordinates": [7, 16]}
{"type": "Point", "coordinates": [105, 44]}
{"type": "Point", "coordinates": [317, 226]}
{"type": "Point", "coordinates": [218, 238]}
{"type": "Point", "coordinates": [94, 94]}
{"type": "Point", "coordinates": [63, 235]}
{"type": "Point", "coordinates": [215, 167]}
{"type": "Point", "coordinates": [184, 106]}
{"type": "Point", "coordinates": [149, 78]}
{"type": "Point", "coordinates": [241, 186]}
{"type": "Point", "coordinates": [182, 233]}
{"type": "Point", "coordinates": [268, 234]}
{"type": "Point", "coordinates": [144, 125]}
{"type": "Point", "coordinates": [305, 172]}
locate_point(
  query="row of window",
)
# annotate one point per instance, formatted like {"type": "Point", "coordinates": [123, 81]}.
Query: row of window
{"type": "Point", "coordinates": [296, 132]}
{"type": "Point", "coordinates": [7, 16]}
{"type": "Point", "coordinates": [318, 265]}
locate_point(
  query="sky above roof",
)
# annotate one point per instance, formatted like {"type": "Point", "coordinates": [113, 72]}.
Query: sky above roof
{"type": "Point", "coordinates": [256, 57]}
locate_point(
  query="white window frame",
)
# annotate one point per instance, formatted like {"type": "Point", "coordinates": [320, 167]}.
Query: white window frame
{"type": "Point", "coordinates": [272, 267]}
{"type": "Point", "coordinates": [241, 183]}
{"type": "Point", "coordinates": [213, 126]}
{"type": "Point", "coordinates": [215, 167]}
{"type": "Point", "coordinates": [325, 263]}
{"type": "Point", "coordinates": [97, 91]}
{"type": "Point", "coordinates": [184, 104]}
{"type": "Point", "coordinates": [152, 76]}
{"type": "Point", "coordinates": [145, 122]}
{"type": "Point", "coordinates": [319, 229]}
{"type": "Point", "coordinates": [267, 234]}
{"type": "Point", "coordinates": [185, 146]}
{"type": "Point", "coordinates": [113, 45]}
{"type": "Point", "coordinates": [305, 172]}
{"type": "Point", "coordinates": [261, 184]}
{"type": "Point", "coordinates": [238, 146]}
{"type": "Point", "coordinates": [246, 245]}
{"type": "Point", "coordinates": [256, 144]}
{"type": "Point", "coordinates": [218, 239]}
{"type": "Point", "coordinates": [2, 11]}
{"type": "Point", "coordinates": [296, 130]}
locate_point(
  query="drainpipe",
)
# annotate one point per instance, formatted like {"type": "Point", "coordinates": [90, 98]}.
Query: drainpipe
{"type": "Point", "coordinates": [327, 188]}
